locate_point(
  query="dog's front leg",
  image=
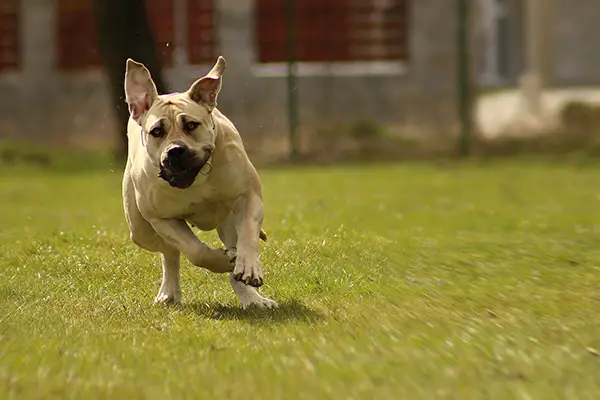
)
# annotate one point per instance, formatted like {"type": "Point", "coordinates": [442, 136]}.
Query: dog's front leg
{"type": "Point", "coordinates": [179, 235]}
{"type": "Point", "coordinates": [170, 288]}
{"type": "Point", "coordinates": [248, 222]}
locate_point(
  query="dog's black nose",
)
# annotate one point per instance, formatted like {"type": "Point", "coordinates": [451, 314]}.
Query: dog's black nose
{"type": "Point", "coordinates": [175, 152]}
{"type": "Point", "coordinates": [178, 158]}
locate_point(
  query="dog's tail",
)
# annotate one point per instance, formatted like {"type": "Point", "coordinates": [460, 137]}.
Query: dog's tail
{"type": "Point", "coordinates": [262, 235]}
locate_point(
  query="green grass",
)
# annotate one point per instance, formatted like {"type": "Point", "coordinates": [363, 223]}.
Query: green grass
{"type": "Point", "coordinates": [458, 281]}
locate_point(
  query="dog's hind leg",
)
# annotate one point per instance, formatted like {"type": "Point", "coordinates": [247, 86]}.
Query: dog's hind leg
{"type": "Point", "coordinates": [248, 295]}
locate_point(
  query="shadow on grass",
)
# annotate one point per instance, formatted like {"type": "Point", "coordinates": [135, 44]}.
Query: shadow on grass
{"type": "Point", "coordinates": [288, 311]}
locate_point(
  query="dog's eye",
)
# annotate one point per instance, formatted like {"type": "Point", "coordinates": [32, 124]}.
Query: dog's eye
{"type": "Point", "coordinates": [157, 132]}
{"type": "Point", "coordinates": [190, 126]}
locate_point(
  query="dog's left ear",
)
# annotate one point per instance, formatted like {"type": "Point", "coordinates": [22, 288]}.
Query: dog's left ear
{"type": "Point", "coordinates": [205, 90]}
{"type": "Point", "coordinates": [140, 90]}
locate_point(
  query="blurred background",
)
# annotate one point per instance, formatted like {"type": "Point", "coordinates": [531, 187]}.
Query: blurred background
{"type": "Point", "coordinates": [312, 79]}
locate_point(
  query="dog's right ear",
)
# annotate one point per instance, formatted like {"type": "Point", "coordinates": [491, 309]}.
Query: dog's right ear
{"type": "Point", "coordinates": [205, 90]}
{"type": "Point", "coordinates": [140, 90]}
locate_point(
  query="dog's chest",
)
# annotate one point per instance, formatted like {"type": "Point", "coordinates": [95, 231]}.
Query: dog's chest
{"type": "Point", "coordinates": [200, 206]}
{"type": "Point", "coordinates": [206, 215]}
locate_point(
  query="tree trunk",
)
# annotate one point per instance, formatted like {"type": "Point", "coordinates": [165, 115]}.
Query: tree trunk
{"type": "Point", "coordinates": [124, 32]}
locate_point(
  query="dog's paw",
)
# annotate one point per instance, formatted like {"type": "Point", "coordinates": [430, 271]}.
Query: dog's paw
{"type": "Point", "coordinates": [258, 301]}
{"type": "Point", "coordinates": [217, 260]}
{"type": "Point", "coordinates": [248, 271]}
{"type": "Point", "coordinates": [231, 255]}
{"type": "Point", "coordinates": [167, 297]}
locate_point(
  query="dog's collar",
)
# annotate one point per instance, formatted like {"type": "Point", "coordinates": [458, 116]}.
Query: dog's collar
{"type": "Point", "coordinates": [207, 167]}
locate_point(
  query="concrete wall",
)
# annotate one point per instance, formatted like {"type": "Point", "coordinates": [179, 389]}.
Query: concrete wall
{"type": "Point", "coordinates": [423, 95]}
{"type": "Point", "coordinates": [576, 32]}
{"type": "Point", "coordinates": [42, 103]}
{"type": "Point", "coordinates": [569, 45]}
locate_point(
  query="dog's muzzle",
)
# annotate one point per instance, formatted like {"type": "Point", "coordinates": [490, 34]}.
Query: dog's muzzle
{"type": "Point", "coordinates": [181, 166]}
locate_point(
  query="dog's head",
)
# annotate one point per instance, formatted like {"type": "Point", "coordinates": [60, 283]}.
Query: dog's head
{"type": "Point", "coordinates": [178, 129]}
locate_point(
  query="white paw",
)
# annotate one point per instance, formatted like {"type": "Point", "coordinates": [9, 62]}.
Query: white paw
{"type": "Point", "coordinates": [168, 297]}
{"type": "Point", "coordinates": [258, 301]}
{"type": "Point", "coordinates": [248, 271]}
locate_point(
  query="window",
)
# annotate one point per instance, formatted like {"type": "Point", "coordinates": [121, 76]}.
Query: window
{"type": "Point", "coordinates": [161, 17]}
{"type": "Point", "coordinates": [496, 56]}
{"type": "Point", "coordinates": [77, 34]}
{"type": "Point", "coordinates": [333, 31]}
{"type": "Point", "coordinates": [200, 32]}
{"type": "Point", "coordinates": [77, 37]}
{"type": "Point", "coordinates": [9, 34]}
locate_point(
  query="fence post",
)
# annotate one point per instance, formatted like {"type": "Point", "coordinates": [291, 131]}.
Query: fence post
{"type": "Point", "coordinates": [292, 86]}
{"type": "Point", "coordinates": [464, 103]}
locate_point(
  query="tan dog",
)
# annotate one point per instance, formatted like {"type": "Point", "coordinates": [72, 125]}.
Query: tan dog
{"type": "Point", "coordinates": [187, 163]}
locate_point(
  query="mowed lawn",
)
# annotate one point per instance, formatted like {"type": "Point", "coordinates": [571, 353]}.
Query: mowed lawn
{"type": "Point", "coordinates": [414, 281]}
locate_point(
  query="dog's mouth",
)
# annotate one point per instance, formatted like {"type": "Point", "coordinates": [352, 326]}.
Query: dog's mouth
{"type": "Point", "coordinates": [182, 175]}
{"type": "Point", "coordinates": [181, 179]}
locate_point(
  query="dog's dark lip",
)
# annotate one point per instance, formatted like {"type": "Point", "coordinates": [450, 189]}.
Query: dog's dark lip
{"type": "Point", "coordinates": [180, 180]}
{"type": "Point", "coordinates": [183, 179]}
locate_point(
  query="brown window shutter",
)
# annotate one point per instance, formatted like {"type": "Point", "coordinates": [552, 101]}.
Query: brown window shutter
{"type": "Point", "coordinates": [378, 29]}
{"type": "Point", "coordinates": [9, 35]}
{"type": "Point", "coordinates": [161, 18]}
{"type": "Point", "coordinates": [201, 32]}
{"type": "Point", "coordinates": [333, 30]}
{"type": "Point", "coordinates": [78, 37]}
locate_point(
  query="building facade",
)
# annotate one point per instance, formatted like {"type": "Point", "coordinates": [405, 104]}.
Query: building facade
{"type": "Point", "coordinates": [568, 41]}
{"type": "Point", "coordinates": [393, 61]}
